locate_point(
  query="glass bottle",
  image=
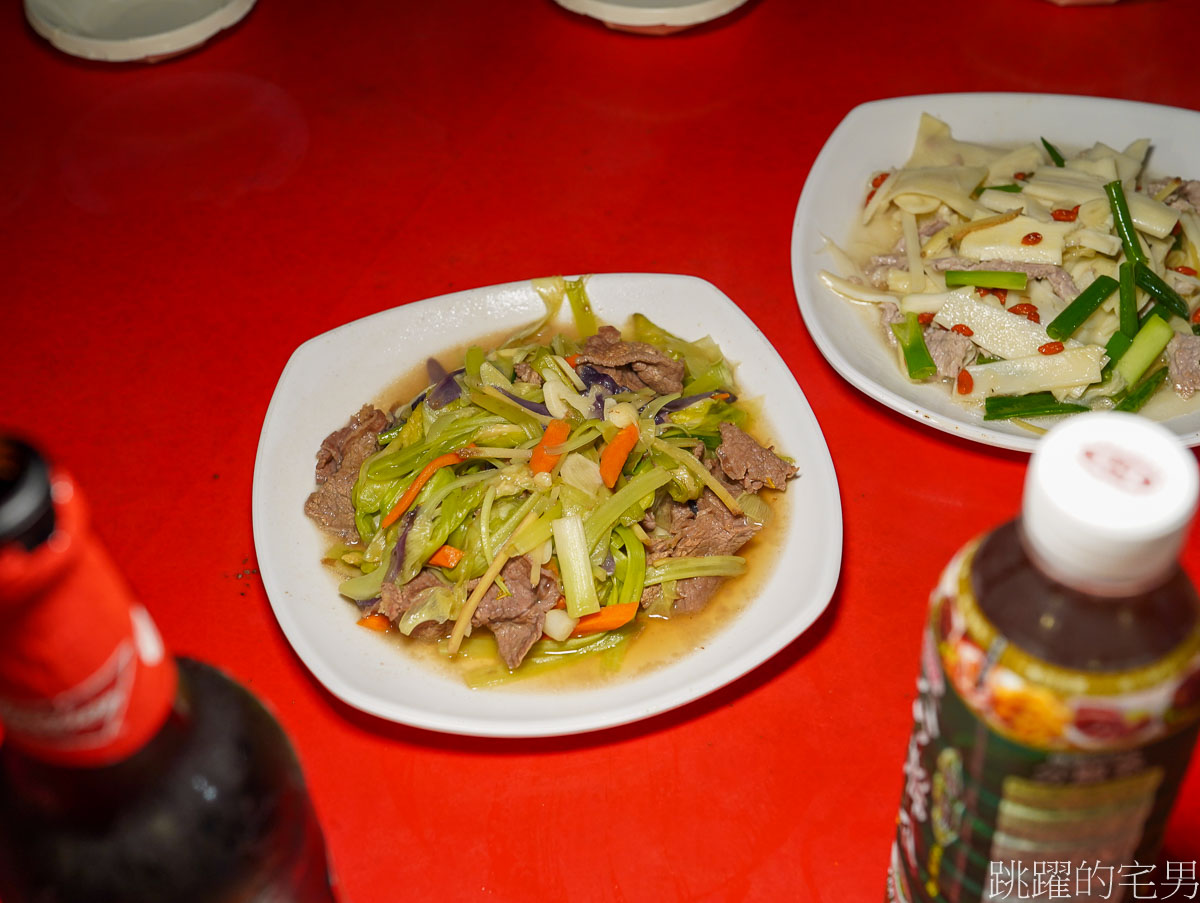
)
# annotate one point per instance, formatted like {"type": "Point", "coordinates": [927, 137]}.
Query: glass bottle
{"type": "Point", "coordinates": [1059, 694]}
{"type": "Point", "coordinates": [127, 775]}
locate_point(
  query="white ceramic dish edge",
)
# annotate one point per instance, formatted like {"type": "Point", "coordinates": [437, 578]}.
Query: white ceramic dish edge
{"type": "Point", "coordinates": [826, 209]}
{"type": "Point", "coordinates": [139, 47]}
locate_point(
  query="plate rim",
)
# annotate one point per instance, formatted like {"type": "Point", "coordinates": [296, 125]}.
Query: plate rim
{"type": "Point", "coordinates": [824, 581]}
{"type": "Point", "coordinates": [803, 264]}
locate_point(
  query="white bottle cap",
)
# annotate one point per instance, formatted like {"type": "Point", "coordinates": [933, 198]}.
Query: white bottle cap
{"type": "Point", "coordinates": [1108, 500]}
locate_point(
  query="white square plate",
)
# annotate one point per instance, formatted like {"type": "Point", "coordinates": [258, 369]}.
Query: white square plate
{"type": "Point", "coordinates": [880, 135]}
{"type": "Point", "coordinates": [329, 377]}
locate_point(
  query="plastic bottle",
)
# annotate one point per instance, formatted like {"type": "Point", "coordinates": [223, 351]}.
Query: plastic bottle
{"type": "Point", "coordinates": [125, 774]}
{"type": "Point", "coordinates": [1059, 693]}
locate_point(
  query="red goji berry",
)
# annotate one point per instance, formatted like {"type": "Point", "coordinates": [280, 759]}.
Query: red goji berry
{"type": "Point", "coordinates": [1066, 216]}
{"type": "Point", "coordinates": [925, 318]}
{"type": "Point", "coordinates": [965, 382]}
{"type": "Point", "coordinates": [1187, 271]}
{"type": "Point", "coordinates": [962, 329]}
{"type": "Point", "coordinates": [1050, 348]}
{"type": "Point", "coordinates": [879, 179]}
{"type": "Point", "coordinates": [1001, 293]}
{"type": "Point", "coordinates": [1031, 238]}
{"type": "Point", "coordinates": [1025, 309]}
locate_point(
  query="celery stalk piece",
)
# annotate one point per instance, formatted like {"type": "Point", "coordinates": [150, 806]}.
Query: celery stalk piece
{"type": "Point", "coordinates": [706, 566]}
{"type": "Point", "coordinates": [575, 566]}
{"type": "Point", "coordinates": [473, 361]}
{"type": "Point", "coordinates": [581, 307]}
{"type": "Point", "coordinates": [602, 518]}
{"type": "Point", "coordinates": [1084, 305]}
{"type": "Point", "coordinates": [537, 532]}
{"type": "Point", "coordinates": [917, 359]}
{"type": "Point", "coordinates": [635, 566]}
{"type": "Point", "coordinates": [1147, 345]}
{"type": "Point", "coordinates": [697, 468]}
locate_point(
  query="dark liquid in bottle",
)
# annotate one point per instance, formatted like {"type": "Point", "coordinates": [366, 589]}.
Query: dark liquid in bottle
{"type": "Point", "coordinates": [213, 809]}
{"type": "Point", "coordinates": [1065, 627]}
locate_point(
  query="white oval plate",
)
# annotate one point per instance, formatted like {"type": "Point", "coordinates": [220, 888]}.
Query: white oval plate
{"type": "Point", "coordinates": [329, 377]}
{"type": "Point", "coordinates": [880, 135]}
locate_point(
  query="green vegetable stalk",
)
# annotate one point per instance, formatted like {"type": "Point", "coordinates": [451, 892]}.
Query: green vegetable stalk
{"type": "Point", "coordinates": [917, 359]}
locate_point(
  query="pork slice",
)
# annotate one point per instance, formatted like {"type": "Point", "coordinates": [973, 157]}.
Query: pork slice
{"type": "Point", "coordinates": [527, 374]}
{"type": "Point", "coordinates": [1183, 364]}
{"type": "Point", "coordinates": [1185, 196]}
{"type": "Point", "coordinates": [1060, 280]}
{"type": "Point", "coordinates": [878, 266]}
{"type": "Point", "coordinates": [747, 463]}
{"type": "Point", "coordinates": [624, 377]}
{"type": "Point", "coordinates": [699, 528]}
{"type": "Point", "coordinates": [711, 529]}
{"type": "Point", "coordinates": [694, 593]}
{"type": "Point", "coordinates": [651, 367]}
{"type": "Point", "coordinates": [395, 600]}
{"type": "Point", "coordinates": [950, 351]}
{"type": "Point", "coordinates": [889, 313]}
{"type": "Point", "coordinates": [516, 619]}
{"type": "Point", "coordinates": [338, 462]}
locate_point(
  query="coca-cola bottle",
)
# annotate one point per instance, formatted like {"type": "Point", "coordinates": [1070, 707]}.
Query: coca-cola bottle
{"type": "Point", "coordinates": [127, 775]}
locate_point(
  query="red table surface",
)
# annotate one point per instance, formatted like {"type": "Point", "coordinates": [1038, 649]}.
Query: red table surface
{"type": "Point", "coordinates": [172, 232]}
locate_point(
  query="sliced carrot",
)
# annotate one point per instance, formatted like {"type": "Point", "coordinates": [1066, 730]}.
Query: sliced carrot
{"type": "Point", "coordinates": [556, 434]}
{"type": "Point", "coordinates": [571, 359]}
{"type": "Point", "coordinates": [561, 603]}
{"type": "Point", "coordinates": [375, 622]}
{"type": "Point", "coordinates": [414, 488]}
{"type": "Point", "coordinates": [613, 458]}
{"type": "Point", "coordinates": [446, 557]}
{"type": "Point", "coordinates": [610, 617]}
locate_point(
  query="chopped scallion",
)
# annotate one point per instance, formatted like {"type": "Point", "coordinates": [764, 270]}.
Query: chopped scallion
{"type": "Point", "coordinates": [987, 279]}
{"type": "Point", "coordinates": [917, 359]}
{"type": "Point", "coordinates": [1123, 222]}
{"type": "Point", "coordinates": [1154, 286]}
{"type": "Point", "coordinates": [1037, 404]}
{"type": "Point", "coordinates": [1084, 305]}
{"type": "Point", "coordinates": [1054, 153]}
{"type": "Point", "coordinates": [1140, 394]}
{"type": "Point", "coordinates": [1128, 307]}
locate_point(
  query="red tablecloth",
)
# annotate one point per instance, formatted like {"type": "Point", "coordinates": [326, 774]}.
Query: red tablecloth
{"type": "Point", "coordinates": [172, 232]}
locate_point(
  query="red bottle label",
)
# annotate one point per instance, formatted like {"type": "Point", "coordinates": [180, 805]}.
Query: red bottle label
{"type": "Point", "coordinates": [84, 677]}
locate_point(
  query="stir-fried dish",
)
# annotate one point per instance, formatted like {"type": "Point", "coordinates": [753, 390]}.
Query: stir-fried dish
{"type": "Point", "coordinates": [1032, 281]}
{"type": "Point", "coordinates": [541, 501]}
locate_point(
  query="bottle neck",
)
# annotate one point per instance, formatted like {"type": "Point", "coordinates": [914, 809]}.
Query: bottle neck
{"type": "Point", "coordinates": [84, 678]}
{"type": "Point", "coordinates": [1093, 581]}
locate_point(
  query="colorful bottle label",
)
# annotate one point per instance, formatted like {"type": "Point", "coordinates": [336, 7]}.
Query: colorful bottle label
{"type": "Point", "coordinates": [84, 677]}
{"type": "Point", "coordinates": [1015, 763]}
